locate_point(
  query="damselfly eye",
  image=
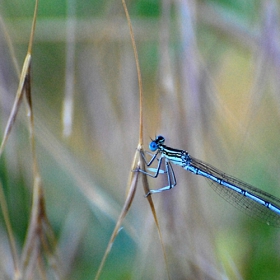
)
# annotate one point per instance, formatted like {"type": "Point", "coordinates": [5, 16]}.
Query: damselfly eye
{"type": "Point", "coordinates": [153, 146]}
{"type": "Point", "coordinates": [160, 139]}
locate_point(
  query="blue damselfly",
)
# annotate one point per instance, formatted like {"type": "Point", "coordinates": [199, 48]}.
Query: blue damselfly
{"type": "Point", "coordinates": [253, 201]}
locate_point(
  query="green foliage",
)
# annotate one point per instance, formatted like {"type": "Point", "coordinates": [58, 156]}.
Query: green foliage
{"type": "Point", "coordinates": [215, 96]}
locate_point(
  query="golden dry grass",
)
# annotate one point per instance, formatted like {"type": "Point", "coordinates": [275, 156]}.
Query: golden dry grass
{"type": "Point", "coordinates": [210, 77]}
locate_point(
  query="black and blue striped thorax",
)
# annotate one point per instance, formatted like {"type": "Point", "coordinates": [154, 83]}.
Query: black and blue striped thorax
{"type": "Point", "coordinates": [176, 156]}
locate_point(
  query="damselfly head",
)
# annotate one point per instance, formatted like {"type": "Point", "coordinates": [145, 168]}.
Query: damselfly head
{"type": "Point", "coordinates": [154, 143]}
{"type": "Point", "coordinates": [160, 139]}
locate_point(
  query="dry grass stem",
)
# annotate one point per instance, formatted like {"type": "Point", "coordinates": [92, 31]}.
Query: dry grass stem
{"type": "Point", "coordinates": [125, 209]}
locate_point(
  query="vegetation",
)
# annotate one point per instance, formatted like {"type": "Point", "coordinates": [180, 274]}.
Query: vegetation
{"type": "Point", "coordinates": [70, 120]}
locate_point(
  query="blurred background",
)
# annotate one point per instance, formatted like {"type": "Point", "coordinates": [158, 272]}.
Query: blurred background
{"type": "Point", "coordinates": [211, 82]}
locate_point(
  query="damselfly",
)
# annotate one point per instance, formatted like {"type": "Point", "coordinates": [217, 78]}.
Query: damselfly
{"type": "Point", "coordinates": [253, 201]}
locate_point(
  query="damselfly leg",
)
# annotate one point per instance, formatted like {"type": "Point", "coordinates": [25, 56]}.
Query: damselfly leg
{"type": "Point", "coordinates": [168, 170]}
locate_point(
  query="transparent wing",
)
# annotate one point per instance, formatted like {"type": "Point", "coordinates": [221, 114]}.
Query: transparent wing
{"type": "Point", "coordinates": [242, 201]}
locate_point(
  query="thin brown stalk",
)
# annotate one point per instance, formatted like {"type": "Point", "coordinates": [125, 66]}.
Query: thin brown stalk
{"type": "Point", "coordinates": [138, 73]}
{"type": "Point", "coordinates": [140, 146]}
{"type": "Point", "coordinates": [17, 102]}
{"type": "Point", "coordinates": [31, 39]}
{"type": "Point", "coordinates": [135, 165]}
{"type": "Point", "coordinates": [129, 198]}
{"type": "Point", "coordinates": [5, 212]}
{"type": "Point", "coordinates": [39, 221]}
{"type": "Point", "coordinates": [150, 200]}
